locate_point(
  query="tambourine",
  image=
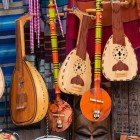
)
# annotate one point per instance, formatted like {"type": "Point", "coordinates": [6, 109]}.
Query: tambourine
{"type": "Point", "coordinates": [8, 135]}
{"type": "Point", "coordinates": [50, 137]}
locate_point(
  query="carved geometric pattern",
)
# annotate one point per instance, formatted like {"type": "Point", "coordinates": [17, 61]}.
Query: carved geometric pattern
{"type": "Point", "coordinates": [126, 107]}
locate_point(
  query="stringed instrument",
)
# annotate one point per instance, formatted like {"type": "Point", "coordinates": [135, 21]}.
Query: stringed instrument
{"type": "Point", "coordinates": [119, 61]}
{"type": "Point", "coordinates": [75, 72]}
{"type": "Point", "coordinates": [28, 94]}
{"type": "Point", "coordinates": [60, 112]}
{"type": "Point", "coordinates": [95, 104]}
{"type": "Point", "coordinates": [2, 83]}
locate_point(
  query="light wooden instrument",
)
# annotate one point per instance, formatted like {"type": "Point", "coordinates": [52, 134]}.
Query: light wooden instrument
{"type": "Point", "coordinates": [119, 61]}
{"type": "Point", "coordinates": [2, 83]}
{"type": "Point", "coordinates": [95, 104]}
{"type": "Point", "coordinates": [60, 112]}
{"type": "Point", "coordinates": [75, 72]}
{"type": "Point", "coordinates": [28, 95]}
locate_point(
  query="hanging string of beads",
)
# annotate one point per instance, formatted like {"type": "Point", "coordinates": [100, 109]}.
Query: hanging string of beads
{"type": "Point", "coordinates": [62, 32]}
{"type": "Point", "coordinates": [34, 23]}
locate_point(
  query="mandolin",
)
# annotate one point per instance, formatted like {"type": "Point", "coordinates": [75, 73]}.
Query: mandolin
{"type": "Point", "coordinates": [119, 61]}
{"type": "Point", "coordinates": [95, 104]}
{"type": "Point", "coordinates": [75, 72]}
{"type": "Point", "coordinates": [28, 94]}
{"type": "Point", "coordinates": [2, 83]}
{"type": "Point", "coordinates": [60, 112]}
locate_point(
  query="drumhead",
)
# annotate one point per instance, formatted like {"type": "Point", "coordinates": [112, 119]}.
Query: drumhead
{"type": "Point", "coordinates": [8, 135]}
{"type": "Point", "coordinates": [50, 137]}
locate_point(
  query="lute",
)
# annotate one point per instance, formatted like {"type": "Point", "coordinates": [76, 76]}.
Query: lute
{"type": "Point", "coordinates": [119, 61]}
{"type": "Point", "coordinates": [60, 112]}
{"type": "Point", "coordinates": [28, 94]}
{"type": "Point", "coordinates": [95, 104]}
{"type": "Point", "coordinates": [75, 72]}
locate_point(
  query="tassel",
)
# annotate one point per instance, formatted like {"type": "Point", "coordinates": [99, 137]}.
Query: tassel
{"type": "Point", "coordinates": [5, 4]}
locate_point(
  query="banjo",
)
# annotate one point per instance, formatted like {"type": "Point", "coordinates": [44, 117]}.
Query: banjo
{"type": "Point", "coordinates": [75, 72]}
{"type": "Point", "coordinates": [95, 104]}
{"type": "Point", "coordinates": [119, 61]}
{"type": "Point", "coordinates": [59, 112]}
{"type": "Point", "coordinates": [28, 93]}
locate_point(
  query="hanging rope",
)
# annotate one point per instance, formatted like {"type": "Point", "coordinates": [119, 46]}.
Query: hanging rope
{"type": "Point", "coordinates": [59, 18]}
{"type": "Point", "coordinates": [34, 23]}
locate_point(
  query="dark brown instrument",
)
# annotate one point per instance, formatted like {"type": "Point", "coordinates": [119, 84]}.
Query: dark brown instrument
{"type": "Point", "coordinates": [28, 95]}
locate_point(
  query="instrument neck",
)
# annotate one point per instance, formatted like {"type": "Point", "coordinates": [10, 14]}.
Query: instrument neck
{"type": "Point", "coordinates": [117, 24]}
{"type": "Point", "coordinates": [20, 45]}
{"type": "Point", "coordinates": [98, 37]}
{"type": "Point", "coordinates": [82, 36]}
{"type": "Point", "coordinates": [54, 44]}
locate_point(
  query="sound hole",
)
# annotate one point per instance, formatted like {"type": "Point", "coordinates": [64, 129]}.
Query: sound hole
{"type": "Point", "coordinates": [79, 67]}
{"type": "Point", "coordinates": [120, 53]}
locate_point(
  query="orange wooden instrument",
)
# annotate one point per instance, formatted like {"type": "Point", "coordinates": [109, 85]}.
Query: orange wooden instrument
{"type": "Point", "coordinates": [60, 112]}
{"type": "Point", "coordinates": [96, 103]}
{"type": "Point", "coordinates": [28, 95]}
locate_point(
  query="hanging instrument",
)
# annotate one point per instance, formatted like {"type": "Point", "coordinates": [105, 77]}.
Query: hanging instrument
{"type": "Point", "coordinates": [95, 103]}
{"type": "Point", "coordinates": [28, 94]}
{"type": "Point", "coordinates": [75, 72]}
{"type": "Point", "coordinates": [60, 112]}
{"type": "Point", "coordinates": [119, 61]}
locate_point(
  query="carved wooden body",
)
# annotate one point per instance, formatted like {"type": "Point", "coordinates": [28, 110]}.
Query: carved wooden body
{"type": "Point", "coordinates": [89, 107]}
{"type": "Point", "coordinates": [28, 95]}
{"type": "Point", "coordinates": [75, 72]}
{"type": "Point", "coordinates": [60, 114]}
{"type": "Point", "coordinates": [2, 83]}
{"type": "Point", "coordinates": [119, 61]}
{"type": "Point", "coordinates": [69, 70]}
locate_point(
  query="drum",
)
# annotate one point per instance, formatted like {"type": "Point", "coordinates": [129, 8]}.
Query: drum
{"type": "Point", "coordinates": [8, 135]}
{"type": "Point", "coordinates": [50, 137]}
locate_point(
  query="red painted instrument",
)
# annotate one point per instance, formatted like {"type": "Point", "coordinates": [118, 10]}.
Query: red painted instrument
{"type": "Point", "coordinates": [96, 103]}
{"type": "Point", "coordinates": [60, 112]}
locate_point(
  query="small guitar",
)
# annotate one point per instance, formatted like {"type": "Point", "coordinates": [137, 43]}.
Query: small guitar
{"type": "Point", "coordinates": [75, 72]}
{"type": "Point", "coordinates": [119, 61]}
{"type": "Point", "coordinates": [60, 112]}
{"type": "Point", "coordinates": [2, 83]}
{"type": "Point", "coordinates": [95, 104]}
{"type": "Point", "coordinates": [28, 94]}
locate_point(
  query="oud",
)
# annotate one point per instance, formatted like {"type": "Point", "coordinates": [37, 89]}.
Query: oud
{"type": "Point", "coordinates": [95, 104]}
{"type": "Point", "coordinates": [75, 72]}
{"type": "Point", "coordinates": [119, 61]}
{"type": "Point", "coordinates": [28, 94]}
